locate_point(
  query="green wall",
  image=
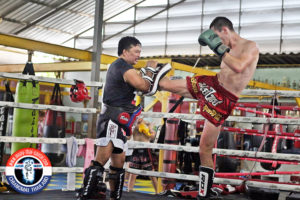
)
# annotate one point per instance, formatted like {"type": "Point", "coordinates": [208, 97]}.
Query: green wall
{"type": "Point", "coordinates": [288, 77]}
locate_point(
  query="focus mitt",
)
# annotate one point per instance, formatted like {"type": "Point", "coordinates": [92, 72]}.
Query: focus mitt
{"type": "Point", "coordinates": [157, 74]}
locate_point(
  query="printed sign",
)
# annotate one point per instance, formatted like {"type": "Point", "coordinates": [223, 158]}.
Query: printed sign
{"type": "Point", "coordinates": [28, 171]}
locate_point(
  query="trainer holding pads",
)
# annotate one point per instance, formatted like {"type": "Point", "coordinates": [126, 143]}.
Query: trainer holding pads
{"type": "Point", "coordinates": [218, 94]}
{"type": "Point", "coordinates": [117, 117]}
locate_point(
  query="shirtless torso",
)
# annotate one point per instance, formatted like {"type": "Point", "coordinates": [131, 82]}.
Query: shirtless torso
{"type": "Point", "coordinates": [236, 69]}
{"type": "Point", "coordinates": [234, 80]}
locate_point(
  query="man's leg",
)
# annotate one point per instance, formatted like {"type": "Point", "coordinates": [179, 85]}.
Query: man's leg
{"type": "Point", "coordinates": [135, 163]}
{"type": "Point", "coordinates": [207, 142]}
{"type": "Point", "coordinates": [208, 139]}
{"type": "Point", "coordinates": [128, 156]}
{"type": "Point", "coordinates": [131, 182]}
{"type": "Point", "coordinates": [154, 183]}
{"type": "Point", "coordinates": [93, 183]}
{"type": "Point", "coordinates": [104, 153]}
{"type": "Point", "coordinates": [127, 175]}
{"type": "Point", "coordinates": [175, 86]}
{"type": "Point", "coordinates": [116, 175]}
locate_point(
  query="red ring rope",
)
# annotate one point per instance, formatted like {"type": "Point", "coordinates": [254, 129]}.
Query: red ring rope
{"type": "Point", "coordinates": [264, 113]}
{"type": "Point", "coordinates": [257, 173]}
{"type": "Point", "coordinates": [254, 105]}
{"type": "Point", "coordinates": [264, 160]}
{"type": "Point", "coordinates": [249, 131]}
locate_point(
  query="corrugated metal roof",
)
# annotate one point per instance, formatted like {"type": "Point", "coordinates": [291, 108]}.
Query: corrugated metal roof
{"type": "Point", "coordinates": [265, 60]}
{"type": "Point", "coordinates": [273, 25]}
{"type": "Point", "coordinates": [65, 23]}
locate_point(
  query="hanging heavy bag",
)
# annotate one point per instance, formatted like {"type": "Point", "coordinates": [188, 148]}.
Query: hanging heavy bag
{"type": "Point", "coordinates": [270, 141]}
{"type": "Point", "coordinates": [160, 135]}
{"type": "Point", "coordinates": [4, 111]}
{"type": "Point", "coordinates": [54, 127]}
{"type": "Point", "coordinates": [25, 121]}
{"type": "Point", "coordinates": [226, 164]}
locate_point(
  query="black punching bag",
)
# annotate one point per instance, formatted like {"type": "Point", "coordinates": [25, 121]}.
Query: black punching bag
{"type": "Point", "coordinates": [54, 127]}
{"type": "Point", "coordinates": [4, 112]}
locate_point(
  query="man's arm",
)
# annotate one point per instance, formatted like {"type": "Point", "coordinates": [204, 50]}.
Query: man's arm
{"type": "Point", "coordinates": [239, 64]}
{"type": "Point", "coordinates": [134, 79]}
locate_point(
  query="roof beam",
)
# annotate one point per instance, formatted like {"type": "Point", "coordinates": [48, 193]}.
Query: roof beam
{"type": "Point", "coordinates": [13, 50]}
{"type": "Point", "coordinates": [34, 45]}
{"type": "Point", "coordinates": [66, 66]}
{"type": "Point", "coordinates": [51, 67]}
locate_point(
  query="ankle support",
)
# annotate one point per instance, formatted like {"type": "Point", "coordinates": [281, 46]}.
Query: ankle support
{"type": "Point", "coordinates": [117, 177]}
{"type": "Point", "coordinates": [93, 177]}
{"type": "Point", "coordinates": [206, 176]}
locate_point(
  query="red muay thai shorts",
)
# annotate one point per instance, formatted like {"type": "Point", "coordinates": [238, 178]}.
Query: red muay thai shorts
{"type": "Point", "coordinates": [216, 103]}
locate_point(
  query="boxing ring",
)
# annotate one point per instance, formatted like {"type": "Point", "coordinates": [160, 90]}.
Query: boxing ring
{"type": "Point", "coordinates": [58, 195]}
{"type": "Point", "coordinates": [234, 179]}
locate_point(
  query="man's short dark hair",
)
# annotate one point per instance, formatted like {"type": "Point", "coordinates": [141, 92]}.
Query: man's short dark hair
{"type": "Point", "coordinates": [219, 22]}
{"type": "Point", "coordinates": [126, 43]}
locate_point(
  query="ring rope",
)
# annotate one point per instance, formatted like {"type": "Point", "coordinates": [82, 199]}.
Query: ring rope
{"type": "Point", "coordinates": [255, 105]}
{"type": "Point", "coordinates": [150, 114]}
{"type": "Point", "coordinates": [260, 120]}
{"type": "Point", "coordinates": [263, 113]}
{"type": "Point", "coordinates": [47, 79]}
{"type": "Point", "coordinates": [47, 107]}
{"type": "Point", "coordinates": [282, 93]}
{"type": "Point", "coordinates": [57, 169]}
{"type": "Point", "coordinates": [264, 160]}
{"type": "Point", "coordinates": [139, 145]}
{"type": "Point", "coordinates": [279, 186]}
{"type": "Point", "coordinates": [273, 136]}
{"type": "Point", "coordinates": [40, 140]}
{"type": "Point", "coordinates": [254, 131]}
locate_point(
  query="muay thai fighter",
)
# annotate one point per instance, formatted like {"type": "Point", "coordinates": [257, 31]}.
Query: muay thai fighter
{"type": "Point", "coordinates": [142, 158]}
{"type": "Point", "coordinates": [218, 94]}
{"type": "Point", "coordinates": [117, 116]}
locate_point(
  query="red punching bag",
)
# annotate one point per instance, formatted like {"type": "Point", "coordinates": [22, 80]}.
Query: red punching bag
{"type": "Point", "coordinates": [171, 137]}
